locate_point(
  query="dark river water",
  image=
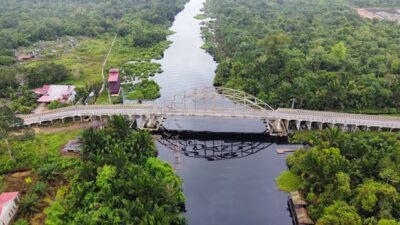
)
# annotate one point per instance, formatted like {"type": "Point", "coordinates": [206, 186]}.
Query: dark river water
{"type": "Point", "coordinates": [219, 189]}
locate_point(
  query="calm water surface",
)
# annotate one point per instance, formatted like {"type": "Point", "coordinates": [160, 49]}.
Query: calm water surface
{"type": "Point", "coordinates": [238, 191]}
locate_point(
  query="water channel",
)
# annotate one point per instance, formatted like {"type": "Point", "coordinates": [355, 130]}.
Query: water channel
{"type": "Point", "coordinates": [236, 187]}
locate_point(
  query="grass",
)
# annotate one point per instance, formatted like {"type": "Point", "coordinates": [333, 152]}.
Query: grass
{"type": "Point", "coordinates": [31, 152]}
{"type": "Point", "coordinates": [103, 98]}
{"type": "Point", "coordinates": [85, 61]}
{"type": "Point", "coordinates": [287, 181]}
{"type": "Point", "coordinates": [124, 52]}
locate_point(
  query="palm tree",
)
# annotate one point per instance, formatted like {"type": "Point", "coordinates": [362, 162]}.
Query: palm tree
{"type": "Point", "coordinates": [332, 136]}
{"type": "Point", "coordinates": [8, 123]}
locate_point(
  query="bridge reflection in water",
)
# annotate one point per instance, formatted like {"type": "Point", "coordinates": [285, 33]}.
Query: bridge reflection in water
{"type": "Point", "coordinates": [212, 149]}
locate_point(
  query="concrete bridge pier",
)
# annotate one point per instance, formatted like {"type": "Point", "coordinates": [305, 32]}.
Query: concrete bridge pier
{"type": "Point", "coordinates": [298, 123]}
{"type": "Point", "coordinates": [278, 127]}
{"type": "Point", "coordinates": [308, 125]}
{"type": "Point", "coordinates": [152, 121]}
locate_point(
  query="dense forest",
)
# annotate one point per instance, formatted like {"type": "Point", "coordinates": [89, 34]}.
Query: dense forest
{"type": "Point", "coordinates": [349, 178]}
{"type": "Point", "coordinates": [139, 24]}
{"type": "Point", "coordinates": [25, 22]}
{"type": "Point", "coordinates": [117, 178]}
{"type": "Point", "coordinates": [119, 181]}
{"type": "Point", "coordinates": [313, 54]}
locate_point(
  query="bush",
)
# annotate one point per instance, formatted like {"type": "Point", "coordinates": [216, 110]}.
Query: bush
{"type": "Point", "coordinates": [50, 171]}
{"type": "Point", "coordinates": [21, 222]}
{"type": "Point", "coordinates": [57, 105]}
{"type": "Point", "coordinates": [29, 204]}
{"type": "Point", "coordinates": [39, 188]}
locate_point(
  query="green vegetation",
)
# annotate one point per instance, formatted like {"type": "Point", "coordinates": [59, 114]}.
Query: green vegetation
{"type": "Point", "coordinates": [33, 150]}
{"type": "Point", "coordinates": [319, 54]}
{"type": "Point", "coordinates": [84, 62]}
{"type": "Point", "coordinates": [142, 69]}
{"type": "Point", "coordinates": [200, 17]}
{"type": "Point", "coordinates": [375, 3]}
{"type": "Point", "coordinates": [45, 73]}
{"type": "Point", "coordinates": [70, 40]}
{"type": "Point", "coordinates": [119, 181]}
{"type": "Point", "coordinates": [57, 105]}
{"type": "Point", "coordinates": [349, 178]}
{"type": "Point", "coordinates": [287, 181]}
{"type": "Point", "coordinates": [146, 89]}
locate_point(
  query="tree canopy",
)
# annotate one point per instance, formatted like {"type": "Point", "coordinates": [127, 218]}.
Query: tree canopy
{"type": "Point", "coordinates": [119, 181]}
{"type": "Point", "coordinates": [320, 54]}
{"type": "Point", "coordinates": [349, 178]}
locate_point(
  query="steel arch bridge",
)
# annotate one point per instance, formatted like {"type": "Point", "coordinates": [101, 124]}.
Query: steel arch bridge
{"type": "Point", "coordinates": [218, 102]}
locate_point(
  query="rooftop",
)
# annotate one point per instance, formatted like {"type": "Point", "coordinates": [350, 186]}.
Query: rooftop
{"type": "Point", "coordinates": [5, 197]}
{"type": "Point", "coordinates": [55, 92]}
{"type": "Point", "coordinates": [297, 198]}
{"type": "Point", "coordinates": [113, 75]}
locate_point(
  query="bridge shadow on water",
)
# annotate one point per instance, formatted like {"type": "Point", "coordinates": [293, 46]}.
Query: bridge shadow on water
{"type": "Point", "coordinates": [214, 146]}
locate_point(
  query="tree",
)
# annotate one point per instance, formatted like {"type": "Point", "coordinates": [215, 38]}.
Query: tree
{"type": "Point", "coordinates": [377, 198]}
{"type": "Point", "coordinates": [340, 213]}
{"type": "Point", "coordinates": [8, 123]}
{"type": "Point", "coordinates": [339, 51]}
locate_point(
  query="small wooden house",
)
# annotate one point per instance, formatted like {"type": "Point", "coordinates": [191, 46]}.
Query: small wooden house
{"type": "Point", "coordinates": [297, 205]}
{"type": "Point", "coordinates": [114, 83]}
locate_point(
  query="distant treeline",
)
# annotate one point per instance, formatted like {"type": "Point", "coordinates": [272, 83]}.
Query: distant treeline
{"type": "Point", "coordinates": [375, 3]}
{"type": "Point", "coordinates": [317, 54]}
{"type": "Point", "coordinates": [24, 22]}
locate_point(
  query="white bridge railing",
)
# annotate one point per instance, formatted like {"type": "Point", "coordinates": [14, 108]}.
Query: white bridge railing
{"type": "Point", "coordinates": [212, 102]}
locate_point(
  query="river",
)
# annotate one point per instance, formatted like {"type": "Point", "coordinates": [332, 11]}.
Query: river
{"type": "Point", "coordinates": [232, 191]}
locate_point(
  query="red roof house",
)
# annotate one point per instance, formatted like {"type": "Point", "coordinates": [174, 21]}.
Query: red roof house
{"type": "Point", "coordinates": [61, 93]}
{"type": "Point", "coordinates": [114, 83]}
{"type": "Point", "coordinates": [8, 206]}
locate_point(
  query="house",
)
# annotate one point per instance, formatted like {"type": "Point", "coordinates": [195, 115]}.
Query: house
{"type": "Point", "coordinates": [61, 93]}
{"type": "Point", "coordinates": [8, 206]}
{"type": "Point", "coordinates": [114, 83]}
{"type": "Point", "coordinates": [73, 146]}
{"type": "Point", "coordinates": [297, 205]}
{"type": "Point", "coordinates": [24, 57]}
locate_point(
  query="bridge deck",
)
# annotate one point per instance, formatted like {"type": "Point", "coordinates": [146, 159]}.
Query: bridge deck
{"type": "Point", "coordinates": [279, 114]}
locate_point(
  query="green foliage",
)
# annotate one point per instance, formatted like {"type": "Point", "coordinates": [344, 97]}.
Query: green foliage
{"type": "Point", "coordinates": [120, 182]}
{"type": "Point", "coordinates": [8, 122]}
{"type": "Point", "coordinates": [146, 89]}
{"type": "Point", "coordinates": [145, 35]}
{"type": "Point", "coordinates": [28, 204]}
{"type": "Point", "coordinates": [141, 69]}
{"type": "Point", "coordinates": [51, 170]}
{"type": "Point", "coordinates": [287, 181]}
{"type": "Point", "coordinates": [117, 100]}
{"type": "Point", "coordinates": [7, 60]}
{"type": "Point", "coordinates": [23, 99]}
{"type": "Point", "coordinates": [57, 105]}
{"type": "Point", "coordinates": [33, 151]}
{"type": "Point", "coordinates": [388, 222]}
{"type": "Point", "coordinates": [375, 3]}
{"type": "Point", "coordinates": [302, 50]}
{"type": "Point", "coordinates": [364, 174]}
{"type": "Point", "coordinates": [46, 73]}
{"type": "Point", "coordinates": [39, 188]}
{"type": "Point", "coordinates": [21, 222]}
{"type": "Point", "coordinates": [340, 213]}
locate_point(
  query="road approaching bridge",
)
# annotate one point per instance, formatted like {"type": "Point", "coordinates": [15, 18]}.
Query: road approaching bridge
{"type": "Point", "coordinates": [210, 102]}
